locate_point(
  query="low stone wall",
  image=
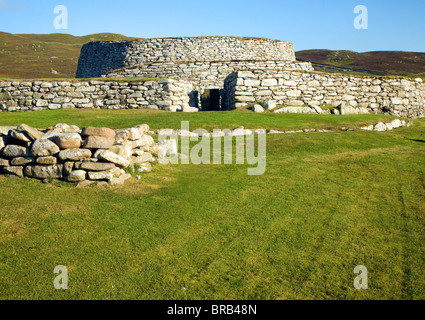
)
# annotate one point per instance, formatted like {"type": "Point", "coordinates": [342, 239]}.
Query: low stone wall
{"type": "Point", "coordinates": [242, 131]}
{"type": "Point", "coordinates": [399, 97]}
{"type": "Point", "coordinates": [206, 75]}
{"type": "Point", "coordinates": [80, 156]}
{"type": "Point", "coordinates": [39, 95]}
{"type": "Point", "coordinates": [396, 96]}
{"type": "Point", "coordinates": [98, 58]}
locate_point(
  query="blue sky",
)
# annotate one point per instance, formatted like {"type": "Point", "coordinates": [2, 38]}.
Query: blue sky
{"type": "Point", "coordinates": [309, 24]}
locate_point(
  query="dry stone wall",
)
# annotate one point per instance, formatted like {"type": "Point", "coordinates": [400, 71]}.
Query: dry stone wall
{"type": "Point", "coordinates": [245, 71]}
{"type": "Point", "coordinates": [38, 95]}
{"type": "Point", "coordinates": [399, 97]}
{"type": "Point", "coordinates": [84, 156]}
{"type": "Point", "coordinates": [206, 75]}
{"type": "Point", "coordinates": [99, 58]}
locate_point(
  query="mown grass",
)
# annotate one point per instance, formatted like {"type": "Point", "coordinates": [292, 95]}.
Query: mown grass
{"type": "Point", "coordinates": [208, 120]}
{"type": "Point", "coordinates": [327, 203]}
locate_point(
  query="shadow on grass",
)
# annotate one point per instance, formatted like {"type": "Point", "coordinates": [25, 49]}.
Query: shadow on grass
{"type": "Point", "coordinates": [417, 140]}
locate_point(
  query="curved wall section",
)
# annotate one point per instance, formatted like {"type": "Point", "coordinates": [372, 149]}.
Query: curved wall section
{"type": "Point", "coordinates": [99, 58]}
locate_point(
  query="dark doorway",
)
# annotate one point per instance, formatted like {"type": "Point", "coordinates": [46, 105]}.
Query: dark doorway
{"type": "Point", "coordinates": [211, 100]}
{"type": "Point", "coordinates": [215, 100]}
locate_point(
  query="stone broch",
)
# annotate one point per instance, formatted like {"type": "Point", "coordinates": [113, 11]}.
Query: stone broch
{"type": "Point", "coordinates": [238, 72]}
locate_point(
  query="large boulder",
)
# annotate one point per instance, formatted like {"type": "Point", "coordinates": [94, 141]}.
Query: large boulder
{"type": "Point", "coordinates": [31, 132]}
{"type": "Point", "coordinates": [94, 166]}
{"type": "Point", "coordinates": [44, 172]}
{"type": "Point", "coordinates": [345, 109]}
{"type": "Point", "coordinates": [44, 148]}
{"type": "Point", "coordinates": [4, 162]}
{"type": "Point", "coordinates": [257, 108]}
{"type": "Point", "coordinates": [68, 167]}
{"type": "Point", "coordinates": [189, 109]}
{"type": "Point", "coordinates": [13, 151]}
{"type": "Point", "coordinates": [134, 134]}
{"type": "Point", "coordinates": [125, 150]}
{"type": "Point", "coordinates": [60, 128]}
{"type": "Point", "coordinates": [96, 142]}
{"type": "Point", "coordinates": [122, 135]}
{"type": "Point", "coordinates": [47, 161]}
{"type": "Point", "coordinates": [21, 161]}
{"type": "Point", "coordinates": [67, 140]}
{"type": "Point", "coordinates": [19, 135]}
{"type": "Point", "coordinates": [316, 108]}
{"type": "Point", "coordinates": [109, 156]}
{"type": "Point", "coordinates": [396, 123]}
{"type": "Point", "coordinates": [98, 132]}
{"type": "Point", "coordinates": [269, 105]}
{"type": "Point", "coordinates": [76, 176]}
{"type": "Point", "coordinates": [380, 126]}
{"type": "Point", "coordinates": [5, 131]}
{"type": "Point", "coordinates": [74, 154]}
{"type": "Point", "coordinates": [104, 175]}
{"type": "Point", "coordinates": [14, 170]}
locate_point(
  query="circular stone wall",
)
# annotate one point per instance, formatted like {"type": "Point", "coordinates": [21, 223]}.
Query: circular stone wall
{"type": "Point", "coordinates": [99, 58]}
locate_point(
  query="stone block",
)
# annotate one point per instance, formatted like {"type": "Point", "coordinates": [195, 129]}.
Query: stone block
{"type": "Point", "coordinates": [67, 140]}
{"type": "Point", "coordinates": [44, 172]}
{"type": "Point", "coordinates": [74, 154]}
{"type": "Point", "coordinates": [99, 132]}
{"type": "Point", "coordinates": [94, 142]}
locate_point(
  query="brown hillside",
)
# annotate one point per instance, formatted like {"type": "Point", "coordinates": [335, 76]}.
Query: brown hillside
{"type": "Point", "coordinates": [378, 62]}
{"type": "Point", "coordinates": [29, 56]}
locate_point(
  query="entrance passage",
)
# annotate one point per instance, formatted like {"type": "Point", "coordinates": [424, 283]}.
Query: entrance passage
{"type": "Point", "coordinates": [215, 100]}
{"type": "Point", "coordinates": [211, 100]}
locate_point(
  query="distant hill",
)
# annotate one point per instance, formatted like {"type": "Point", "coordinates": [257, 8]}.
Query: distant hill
{"type": "Point", "coordinates": [377, 62]}
{"type": "Point", "coordinates": [29, 56]}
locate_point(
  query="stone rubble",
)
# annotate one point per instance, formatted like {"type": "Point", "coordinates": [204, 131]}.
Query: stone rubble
{"type": "Point", "coordinates": [83, 157]}
{"type": "Point", "coordinates": [242, 131]}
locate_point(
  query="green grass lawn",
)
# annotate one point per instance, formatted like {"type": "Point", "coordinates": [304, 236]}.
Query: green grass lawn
{"type": "Point", "coordinates": [206, 120]}
{"type": "Point", "coordinates": [327, 203]}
